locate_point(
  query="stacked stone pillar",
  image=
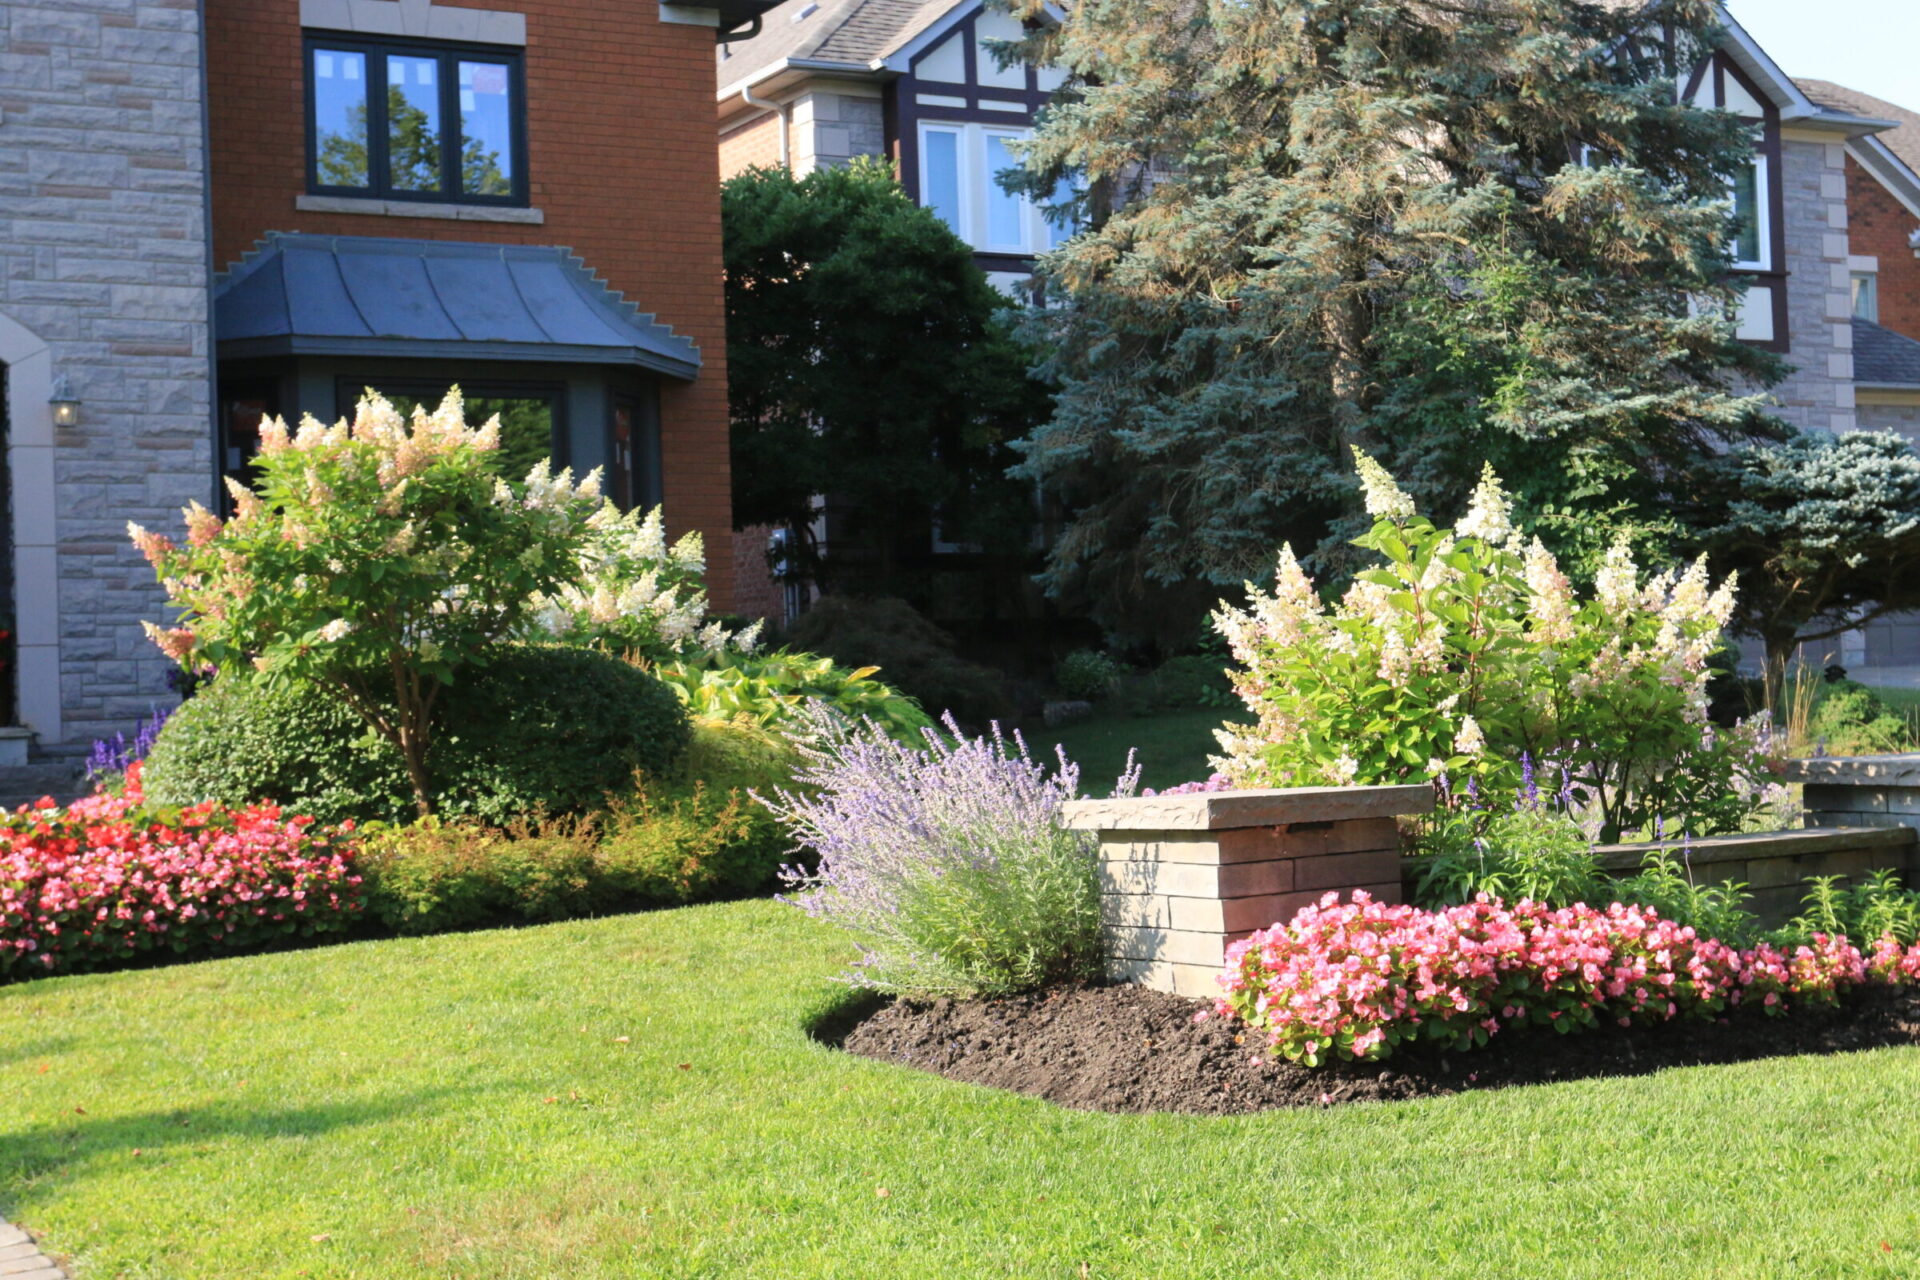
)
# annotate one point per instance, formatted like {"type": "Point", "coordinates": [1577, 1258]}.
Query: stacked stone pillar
{"type": "Point", "coordinates": [1859, 791]}
{"type": "Point", "coordinates": [1184, 876]}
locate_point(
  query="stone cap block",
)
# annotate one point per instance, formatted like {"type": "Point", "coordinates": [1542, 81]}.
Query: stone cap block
{"type": "Point", "coordinates": [1886, 771]}
{"type": "Point", "coordinates": [1225, 810]}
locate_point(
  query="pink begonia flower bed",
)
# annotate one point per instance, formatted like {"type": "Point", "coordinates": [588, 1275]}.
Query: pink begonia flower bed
{"type": "Point", "coordinates": [103, 880]}
{"type": "Point", "coordinates": [1354, 980]}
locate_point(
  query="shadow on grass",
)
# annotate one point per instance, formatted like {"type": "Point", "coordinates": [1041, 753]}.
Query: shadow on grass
{"type": "Point", "coordinates": [845, 1010]}
{"type": "Point", "coordinates": [43, 1047]}
{"type": "Point", "coordinates": [55, 1150]}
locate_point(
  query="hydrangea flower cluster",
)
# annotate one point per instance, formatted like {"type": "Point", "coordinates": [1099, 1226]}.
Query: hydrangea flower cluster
{"type": "Point", "coordinates": [1355, 980]}
{"type": "Point", "coordinates": [1462, 649]}
{"type": "Point", "coordinates": [101, 880]}
{"type": "Point", "coordinates": [635, 594]}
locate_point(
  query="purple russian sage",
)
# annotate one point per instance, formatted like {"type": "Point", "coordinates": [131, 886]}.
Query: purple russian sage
{"type": "Point", "coordinates": [947, 861]}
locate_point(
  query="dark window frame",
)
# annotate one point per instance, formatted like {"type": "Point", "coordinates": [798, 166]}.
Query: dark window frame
{"type": "Point", "coordinates": [448, 55]}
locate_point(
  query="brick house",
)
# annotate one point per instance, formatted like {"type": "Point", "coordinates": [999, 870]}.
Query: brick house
{"type": "Point", "coordinates": [218, 209]}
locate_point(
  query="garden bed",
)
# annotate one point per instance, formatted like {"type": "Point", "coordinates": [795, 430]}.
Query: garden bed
{"type": "Point", "coordinates": [1129, 1049]}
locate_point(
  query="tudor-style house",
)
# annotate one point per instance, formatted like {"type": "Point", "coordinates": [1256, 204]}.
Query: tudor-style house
{"type": "Point", "coordinates": [222, 209]}
{"type": "Point", "coordinates": [828, 80]}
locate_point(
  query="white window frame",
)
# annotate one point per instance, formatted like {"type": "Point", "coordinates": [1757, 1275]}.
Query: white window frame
{"type": "Point", "coordinates": [976, 186]}
{"type": "Point", "coordinates": [1864, 284]}
{"type": "Point", "coordinates": [1762, 216]}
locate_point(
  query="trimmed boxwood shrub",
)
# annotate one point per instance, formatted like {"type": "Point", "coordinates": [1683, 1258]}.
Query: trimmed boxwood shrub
{"type": "Point", "coordinates": [240, 740]}
{"type": "Point", "coordinates": [539, 729]}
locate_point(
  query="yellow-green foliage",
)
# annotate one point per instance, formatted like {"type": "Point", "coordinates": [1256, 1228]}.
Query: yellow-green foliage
{"type": "Point", "coordinates": [694, 833]}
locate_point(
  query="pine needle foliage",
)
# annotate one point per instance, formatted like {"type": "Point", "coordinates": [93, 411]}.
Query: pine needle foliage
{"type": "Point", "coordinates": [1440, 230]}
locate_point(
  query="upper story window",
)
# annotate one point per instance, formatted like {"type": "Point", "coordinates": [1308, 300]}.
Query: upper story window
{"type": "Point", "coordinates": [1752, 232]}
{"type": "Point", "coordinates": [1866, 295]}
{"type": "Point", "coordinates": [958, 168]}
{"type": "Point", "coordinates": [414, 121]}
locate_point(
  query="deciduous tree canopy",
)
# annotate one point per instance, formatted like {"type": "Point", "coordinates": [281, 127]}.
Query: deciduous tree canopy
{"type": "Point", "coordinates": [868, 359]}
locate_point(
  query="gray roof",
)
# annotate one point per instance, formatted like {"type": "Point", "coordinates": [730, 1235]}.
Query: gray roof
{"type": "Point", "coordinates": [1883, 358]}
{"type": "Point", "coordinates": [851, 33]}
{"type": "Point", "coordinates": [364, 295]}
{"type": "Point", "coordinates": [1903, 139]}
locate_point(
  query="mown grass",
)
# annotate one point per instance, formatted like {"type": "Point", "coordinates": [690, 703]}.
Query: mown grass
{"type": "Point", "coordinates": [637, 1096]}
{"type": "Point", "coordinates": [1173, 746]}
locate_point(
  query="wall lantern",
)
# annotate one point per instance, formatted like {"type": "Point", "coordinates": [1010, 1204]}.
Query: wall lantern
{"type": "Point", "coordinates": [66, 405]}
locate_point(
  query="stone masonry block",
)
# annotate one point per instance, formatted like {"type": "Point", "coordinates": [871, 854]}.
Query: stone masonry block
{"type": "Point", "coordinates": [1845, 799]}
{"type": "Point", "coordinates": [1194, 981]}
{"type": "Point", "coordinates": [1175, 946]}
{"type": "Point", "coordinates": [1224, 810]}
{"type": "Point", "coordinates": [1339, 870]}
{"type": "Point", "coordinates": [1766, 873]}
{"type": "Point", "coordinates": [1308, 839]}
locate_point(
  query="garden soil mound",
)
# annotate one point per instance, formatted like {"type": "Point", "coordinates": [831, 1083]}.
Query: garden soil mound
{"type": "Point", "coordinates": [1128, 1049]}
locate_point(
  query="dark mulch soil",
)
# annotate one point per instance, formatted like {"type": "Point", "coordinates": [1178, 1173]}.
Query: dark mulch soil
{"type": "Point", "coordinates": [1129, 1049]}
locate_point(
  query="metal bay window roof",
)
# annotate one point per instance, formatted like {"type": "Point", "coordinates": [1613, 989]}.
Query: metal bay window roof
{"type": "Point", "coordinates": [433, 299]}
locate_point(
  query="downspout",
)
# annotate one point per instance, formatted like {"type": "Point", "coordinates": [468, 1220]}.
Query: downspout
{"type": "Point", "coordinates": [786, 124]}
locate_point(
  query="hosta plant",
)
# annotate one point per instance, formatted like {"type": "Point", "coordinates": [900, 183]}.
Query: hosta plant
{"type": "Point", "coordinates": [373, 558]}
{"type": "Point", "coordinates": [772, 688]}
{"type": "Point", "coordinates": [1460, 651]}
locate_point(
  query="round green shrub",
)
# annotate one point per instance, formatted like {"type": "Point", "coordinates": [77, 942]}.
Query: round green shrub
{"type": "Point", "coordinates": [554, 729]}
{"type": "Point", "coordinates": [539, 729]}
{"type": "Point", "coordinates": [1193, 680]}
{"type": "Point", "coordinates": [1087, 674]}
{"type": "Point", "coordinates": [241, 740]}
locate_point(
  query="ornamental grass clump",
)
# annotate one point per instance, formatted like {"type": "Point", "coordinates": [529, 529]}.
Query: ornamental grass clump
{"type": "Point", "coordinates": [946, 861]}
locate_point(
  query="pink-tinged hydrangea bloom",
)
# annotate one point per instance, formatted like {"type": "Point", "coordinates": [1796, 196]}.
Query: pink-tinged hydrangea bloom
{"type": "Point", "coordinates": [1353, 980]}
{"type": "Point", "coordinates": [102, 880]}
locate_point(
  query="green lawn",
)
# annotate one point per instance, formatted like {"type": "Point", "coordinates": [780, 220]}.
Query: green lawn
{"type": "Point", "coordinates": [636, 1096]}
{"type": "Point", "coordinates": [1173, 746]}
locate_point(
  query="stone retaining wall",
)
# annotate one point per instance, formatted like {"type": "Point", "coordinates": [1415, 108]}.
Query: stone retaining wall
{"type": "Point", "coordinates": [1184, 876]}
{"type": "Point", "coordinates": [1775, 865]}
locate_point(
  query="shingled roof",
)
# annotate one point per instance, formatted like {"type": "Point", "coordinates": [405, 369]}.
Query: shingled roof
{"type": "Point", "coordinates": [1883, 358]}
{"type": "Point", "coordinates": [1903, 139]}
{"type": "Point", "coordinates": [854, 34]}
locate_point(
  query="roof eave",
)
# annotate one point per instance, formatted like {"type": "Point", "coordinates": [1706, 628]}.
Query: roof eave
{"type": "Point", "coordinates": [457, 349]}
{"type": "Point", "coordinates": [777, 75]}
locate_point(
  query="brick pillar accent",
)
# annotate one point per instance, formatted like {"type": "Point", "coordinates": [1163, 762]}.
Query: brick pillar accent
{"type": "Point", "coordinates": [1859, 791]}
{"type": "Point", "coordinates": [1183, 876]}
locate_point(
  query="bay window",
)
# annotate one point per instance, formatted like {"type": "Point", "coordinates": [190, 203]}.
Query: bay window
{"type": "Point", "coordinates": [959, 168]}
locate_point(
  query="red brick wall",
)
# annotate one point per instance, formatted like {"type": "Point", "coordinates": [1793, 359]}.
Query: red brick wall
{"type": "Point", "coordinates": [755, 143]}
{"type": "Point", "coordinates": [1878, 226]}
{"type": "Point", "coordinates": [621, 159]}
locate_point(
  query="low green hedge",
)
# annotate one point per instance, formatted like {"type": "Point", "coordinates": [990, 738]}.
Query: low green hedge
{"type": "Point", "coordinates": [693, 833]}
{"type": "Point", "coordinates": [539, 731]}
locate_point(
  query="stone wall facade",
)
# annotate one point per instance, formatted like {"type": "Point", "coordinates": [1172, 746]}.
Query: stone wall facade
{"type": "Point", "coordinates": [103, 280]}
{"type": "Point", "coordinates": [1875, 415]}
{"type": "Point", "coordinates": [1818, 394]}
{"type": "Point", "coordinates": [831, 128]}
